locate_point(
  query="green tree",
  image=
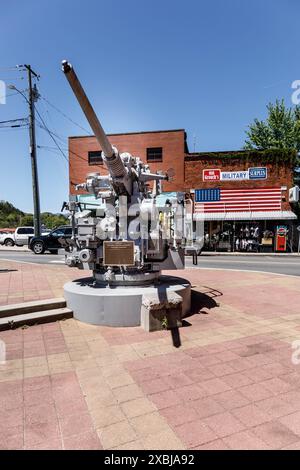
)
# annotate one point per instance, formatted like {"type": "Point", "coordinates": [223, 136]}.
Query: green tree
{"type": "Point", "coordinates": [11, 217]}
{"type": "Point", "coordinates": [27, 220]}
{"type": "Point", "coordinates": [53, 220]}
{"type": "Point", "coordinates": [280, 130]}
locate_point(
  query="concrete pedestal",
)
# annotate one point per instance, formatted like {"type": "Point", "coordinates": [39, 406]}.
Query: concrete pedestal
{"type": "Point", "coordinates": [120, 305]}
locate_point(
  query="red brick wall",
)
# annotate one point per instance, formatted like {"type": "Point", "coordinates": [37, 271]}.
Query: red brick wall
{"type": "Point", "coordinates": [188, 167]}
{"type": "Point", "coordinates": [172, 142]}
{"type": "Point", "coordinates": [278, 175]}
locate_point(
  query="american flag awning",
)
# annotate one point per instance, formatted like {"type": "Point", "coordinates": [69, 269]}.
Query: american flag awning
{"type": "Point", "coordinates": [237, 200]}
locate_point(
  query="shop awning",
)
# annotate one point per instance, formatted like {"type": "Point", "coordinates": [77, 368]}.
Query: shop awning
{"type": "Point", "coordinates": [257, 215]}
{"type": "Point", "coordinates": [89, 201]}
{"type": "Point", "coordinates": [163, 197]}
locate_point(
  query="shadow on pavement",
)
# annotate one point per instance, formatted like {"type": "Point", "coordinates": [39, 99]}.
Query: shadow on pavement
{"type": "Point", "coordinates": [7, 270]}
{"type": "Point", "coordinates": [203, 300]}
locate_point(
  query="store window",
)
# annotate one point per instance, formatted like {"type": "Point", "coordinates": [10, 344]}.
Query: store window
{"type": "Point", "coordinates": [154, 154]}
{"type": "Point", "coordinates": [233, 236]}
{"type": "Point", "coordinates": [247, 236]}
{"type": "Point", "coordinates": [265, 236]}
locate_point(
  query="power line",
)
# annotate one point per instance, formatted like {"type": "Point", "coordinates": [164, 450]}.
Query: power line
{"type": "Point", "coordinates": [66, 117]}
{"type": "Point", "coordinates": [51, 149]}
{"type": "Point", "coordinates": [12, 78]}
{"type": "Point", "coordinates": [9, 128]}
{"type": "Point", "coordinates": [61, 137]}
{"type": "Point", "coordinates": [70, 151]}
{"type": "Point", "coordinates": [13, 126]}
{"type": "Point", "coordinates": [14, 120]}
{"type": "Point", "coordinates": [16, 68]}
{"type": "Point", "coordinates": [50, 134]}
{"type": "Point", "coordinates": [66, 149]}
{"type": "Point", "coordinates": [57, 149]}
{"type": "Point", "coordinates": [54, 149]}
{"type": "Point", "coordinates": [10, 94]}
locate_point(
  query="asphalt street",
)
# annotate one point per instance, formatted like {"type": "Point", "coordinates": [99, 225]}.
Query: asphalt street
{"type": "Point", "coordinates": [271, 264]}
{"type": "Point", "coordinates": [289, 265]}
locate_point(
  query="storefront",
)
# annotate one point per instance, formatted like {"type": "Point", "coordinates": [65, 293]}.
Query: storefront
{"type": "Point", "coordinates": [241, 197]}
{"type": "Point", "coordinates": [252, 235]}
{"type": "Point", "coordinates": [244, 206]}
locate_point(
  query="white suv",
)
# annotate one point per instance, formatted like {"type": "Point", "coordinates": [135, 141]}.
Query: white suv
{"type": "Point", "coordinates": [7, 239]}
{"type": "Point", "coordinates": [19, 238]}
{"type": "Point", "coordinates": [22, 235]}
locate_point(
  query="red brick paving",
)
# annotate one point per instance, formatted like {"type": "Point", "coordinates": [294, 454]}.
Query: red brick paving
{"type": "Point", "coordinates": [231, 385]}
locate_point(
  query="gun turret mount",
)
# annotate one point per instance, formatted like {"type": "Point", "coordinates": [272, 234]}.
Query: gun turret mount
{"type": "Point", "coordinates": [126, 239]}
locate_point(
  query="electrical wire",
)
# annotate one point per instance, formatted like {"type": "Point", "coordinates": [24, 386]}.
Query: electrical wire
{"type": "Point", "coordinates": [57, 136]}
{"type": "Point", "coordinates": [15, 126]}
{"type": "Point", "coordinates": [14, 120]}
{"type": "Point", "coordinates": [60, 137]}
{"type": "Point", "coordinates": [16, 68]}
{"type": "Point", "coordinates": [51, 149]}
{"type": "Point", "coordinates": [54, 136]}
{"type": "Point", "coordinates": [10, 78]}
{"type": "Point", "coordinates": [50, 134]}
{"type": "Point", "coordinates": [10, 94]}
{"type": "Point", "coordinates": [65, 116]}
{"type": "Point", "coordinates": [21, 128]}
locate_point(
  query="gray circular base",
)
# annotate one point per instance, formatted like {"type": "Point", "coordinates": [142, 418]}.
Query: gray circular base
{"type": "Point", "coordinates": [118, 306]}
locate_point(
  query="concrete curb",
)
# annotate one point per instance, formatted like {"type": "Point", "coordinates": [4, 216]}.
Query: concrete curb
{"type": "Point", "coordinates": [12, 249]}
{"type": "Point", "coordinates": [235, 253]}
{"type": "Point", "coordinates": [243, 271]}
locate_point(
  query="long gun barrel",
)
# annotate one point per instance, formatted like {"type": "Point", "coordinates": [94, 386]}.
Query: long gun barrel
{"type": "Point", "coordinates": [87, 108]}
{"type": "Point", "coordinates": [112, 160]}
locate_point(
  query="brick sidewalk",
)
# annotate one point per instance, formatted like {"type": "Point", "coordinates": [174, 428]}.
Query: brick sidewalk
{"type": "Point", "coordinates": [231, 385]}
{"type": "Point", "coordinates": [22, 282]}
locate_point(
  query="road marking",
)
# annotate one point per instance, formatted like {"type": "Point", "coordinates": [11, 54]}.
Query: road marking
{"type": "Point", "coordinates": [243, 270]}
{"type": "Point", "coordinates": [18, 261]}
{"type": "Point", "coordinates": [282, 263]}
{"type": "Point", "coordinates": [31, 262]}
{"type": "Point", "coordinates": [187, 267]}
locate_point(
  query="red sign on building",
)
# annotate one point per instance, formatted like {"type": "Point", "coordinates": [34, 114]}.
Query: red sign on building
{"type": "Point", "coordinates": [211, 175]}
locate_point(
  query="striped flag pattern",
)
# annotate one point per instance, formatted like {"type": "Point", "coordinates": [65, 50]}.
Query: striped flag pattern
{"type": "Point", "coordinates": [238, 200]}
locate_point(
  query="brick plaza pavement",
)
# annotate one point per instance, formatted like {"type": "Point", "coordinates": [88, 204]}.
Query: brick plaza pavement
{"type": "Point", "coordinates": [231, 384]}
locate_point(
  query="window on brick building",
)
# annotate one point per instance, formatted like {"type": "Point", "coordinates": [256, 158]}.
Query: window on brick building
{"type": "Point", "coordinates": [95, 157]}
{"type": "Point", "coordinates": [154, 154]}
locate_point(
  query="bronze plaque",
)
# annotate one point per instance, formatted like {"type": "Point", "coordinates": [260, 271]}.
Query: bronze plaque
{"type": "Point", "coordinates": [118, 253]}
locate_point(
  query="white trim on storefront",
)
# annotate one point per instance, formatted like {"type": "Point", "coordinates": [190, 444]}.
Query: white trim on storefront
{"type": "Point", "coordinates": [255, 215]}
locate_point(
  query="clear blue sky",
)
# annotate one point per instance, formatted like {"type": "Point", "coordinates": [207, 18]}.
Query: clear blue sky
{"type": "Point", "coordinates": [207, 66]}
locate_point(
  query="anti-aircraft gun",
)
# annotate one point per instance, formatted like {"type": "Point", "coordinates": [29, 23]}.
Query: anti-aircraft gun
{"type": "Point", "coordinates": [127, 238]}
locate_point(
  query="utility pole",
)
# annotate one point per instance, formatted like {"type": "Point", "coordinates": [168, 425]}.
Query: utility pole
{"type": "Point", "coordinates": [32, 97]}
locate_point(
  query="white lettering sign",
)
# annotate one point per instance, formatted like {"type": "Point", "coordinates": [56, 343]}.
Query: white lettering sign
{"type": "Point", "coordinates": [234, 175]}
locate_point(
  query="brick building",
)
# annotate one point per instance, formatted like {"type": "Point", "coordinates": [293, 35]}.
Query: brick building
{"type": "Point", "coordinates": [242, 197]}
{"type": "Point", "coordinates": [161, 149]}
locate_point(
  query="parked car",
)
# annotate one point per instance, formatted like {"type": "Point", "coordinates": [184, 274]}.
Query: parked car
{"type": "Point", "coordinates": [7, 238]}
{"type": "Point", "coordinates": [19, 237]}
{"type": "Point", "coordinates": [22, 235]}
{"type": "Point", "coordinates": [51, 241]}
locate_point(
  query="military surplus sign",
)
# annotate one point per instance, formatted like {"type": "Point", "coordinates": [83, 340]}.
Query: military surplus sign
{"type": "Point", "coordinates": [254, 173]}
